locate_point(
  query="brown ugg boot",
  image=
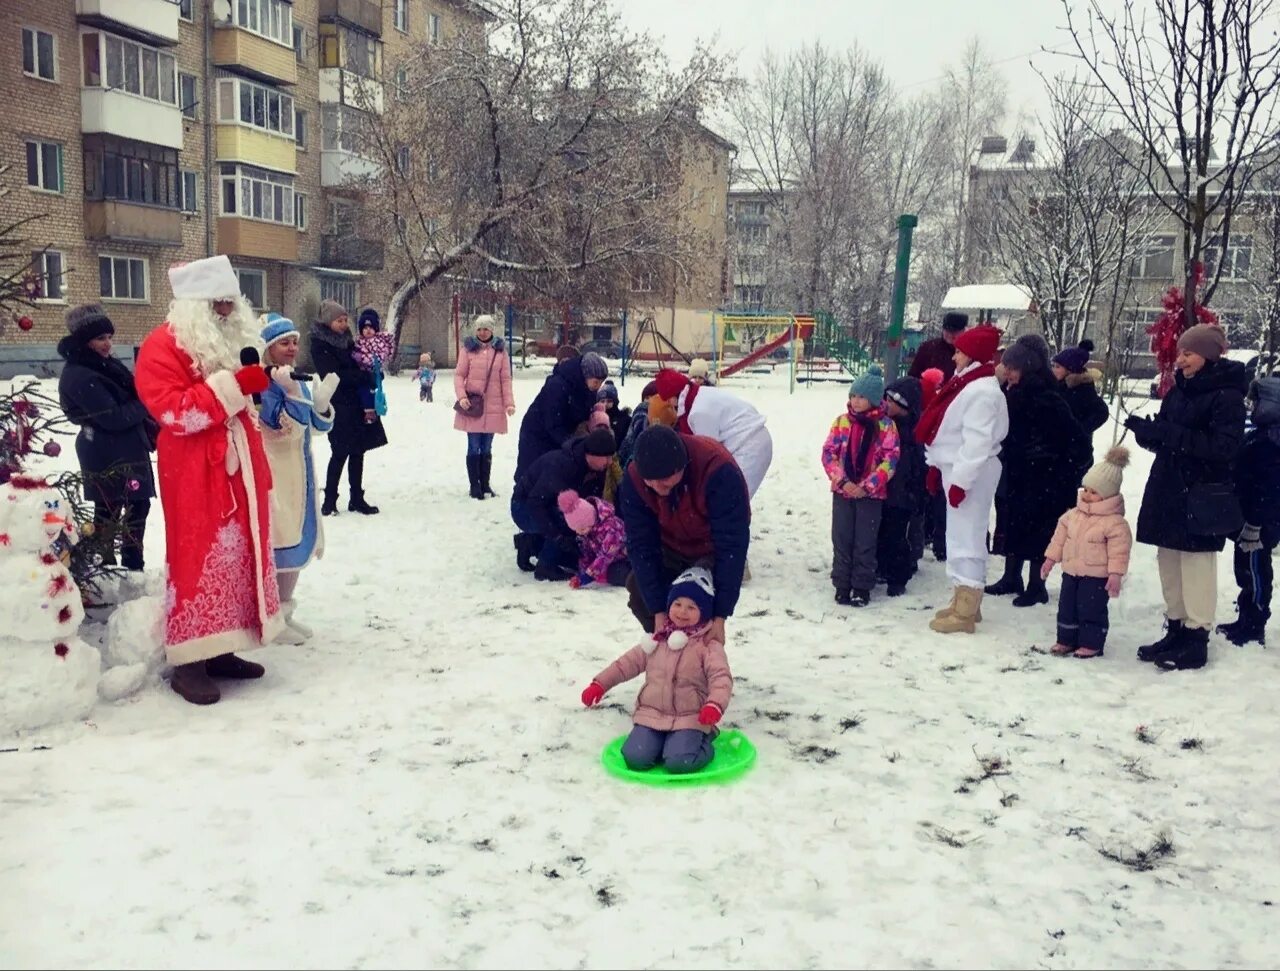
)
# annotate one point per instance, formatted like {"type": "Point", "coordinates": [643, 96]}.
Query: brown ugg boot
{"type": "Point", "coordinates": [966, 615]}
{"type": "Point", "coordinates": [192, 682]}
{"type": "Point", "coordinates": [230, 666]}
{"type": "Point", "coordinates": [950, 608]}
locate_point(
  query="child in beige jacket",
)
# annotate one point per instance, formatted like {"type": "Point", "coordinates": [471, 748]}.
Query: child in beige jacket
{"type": "Point", "coordinates": [1092, 543]}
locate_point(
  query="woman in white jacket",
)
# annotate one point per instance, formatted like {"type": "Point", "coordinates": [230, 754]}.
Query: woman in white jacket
{"type": "Point", "coordinates": [962, 431]}
{"type": "Point", "coordinates": [705, 410]}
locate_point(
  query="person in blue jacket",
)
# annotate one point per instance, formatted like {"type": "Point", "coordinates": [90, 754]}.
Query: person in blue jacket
{"type": "Point", "coordinates": [564, 403]}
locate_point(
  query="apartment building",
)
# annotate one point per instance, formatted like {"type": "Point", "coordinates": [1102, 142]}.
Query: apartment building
{"type": "Point", "coordinates": [141, 133]}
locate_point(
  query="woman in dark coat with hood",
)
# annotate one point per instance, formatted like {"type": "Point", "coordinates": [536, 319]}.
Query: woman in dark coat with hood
{"type": "Point", "coordinates": [351, 435]}
{"type": "Point", "coordinates": [1078, 383]}
{"type": "Point", "coordinates": [1188, 507]}
{"type": "Point", "coordinates": [565, 402]}
{"type": "Point", "coordinates": [1045, 454]}
{"type": "Point", "coordinates": [116, 432]}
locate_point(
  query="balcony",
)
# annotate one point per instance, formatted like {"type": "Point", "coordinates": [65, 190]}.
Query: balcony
{"type": "Point", "coordinates": [240, 50]}
{"type": "Point", "coordinates": [339, 168]}
{"type": "Point", "coordinates": [349, 253]}
{"type": "Point", "coordinates": [115, 112]}
{"type": "Point", "coordinates": [153, 22]}
{"type": "Point", "coordinates": [254, 238]}
{"type": "Point", "coordinates": [365, 14]}
{"type": "Point", "coordinates": [239, 143]}
{"type": "Point", "coordinates": [131, 222]}
{"type": "Point", "coordinates": [342, 87]}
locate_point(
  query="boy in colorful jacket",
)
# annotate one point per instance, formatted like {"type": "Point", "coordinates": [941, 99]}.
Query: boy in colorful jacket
{"type": "Point", "coordinates": [859, 457]}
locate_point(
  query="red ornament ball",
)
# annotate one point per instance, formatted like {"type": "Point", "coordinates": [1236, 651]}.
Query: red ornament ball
{"type": "Point", "coordinates": [52, 449]}
{"type": "Point", "coordinates": [60, 649]}
{"type": "Point", "coordinates": [25, 323]}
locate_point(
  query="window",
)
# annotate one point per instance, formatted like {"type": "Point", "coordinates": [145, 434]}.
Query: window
{"type": "Point", "coordinates": [299, 44]}
{"type": "Point", "coordinates": [129, 171]}
{"type": "Point", "coordinates": [1156, 259]}
{"type": "Point", "coordinates": [253, 284]}
{"type": "Point", "coordinates": [254, 193]}
{"type": "Point", "coordinates": [184, 9]}
{"type": "Point", "coordinates": [342, 217]}
{"type": "Point", "coordinates": [300, 127]}
{"type": "Point", "coordinates": [48, 268]}
{"type": "Point", "coordinates": [402, 83]}
{"type": "Point", "coordinates": [755, 234]}
{"type": "Point", "coordinates": [190, 195]}
{"type": "Point", "coordinates": [39, 54]}
{"type": "Point", "coordinates": [245, 103]}
{"type": "Point", "coordinates": [187, 99]}
{"type": "Point", "coordinates": [131, 67]}
{"type": "Point", "coordinates": [642, 283]}
{"type": "Point", "coordinates": [433, 28]}
{"type": "Point", "coordinates": [343, 129]}
{"type": "Point", "coordinates": [272, 19]}
{"type": "Point", "coordinates": [1239, 256]}
{"type": "Point", "coordinates": [402, 159]}
{"type": "Point", "coordinates": [300, 211]}
{"type": "Point", "coordinates": [122, 278]}
{"type": "Point", "coordinates": [400, 15]}
{"type": "Point", "coordinates": [44, 166]}
{"type": "Point", "coordinates": [343, 291]}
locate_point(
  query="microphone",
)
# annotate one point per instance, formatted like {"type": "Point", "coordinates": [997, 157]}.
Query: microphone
{"type": "Point", "coordinates": [296, 375]}
{"type": "Point", "coordinates": [248, 358]}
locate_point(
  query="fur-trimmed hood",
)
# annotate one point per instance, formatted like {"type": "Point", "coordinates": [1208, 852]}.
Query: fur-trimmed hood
{"type": "Point", "coordinates": [1087, 376]}
{"type": "Point", "coordinates": [473, 345]}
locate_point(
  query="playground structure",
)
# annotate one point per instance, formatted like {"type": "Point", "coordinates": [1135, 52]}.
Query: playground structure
{"type": "Point", "coordinates": [815, 344]}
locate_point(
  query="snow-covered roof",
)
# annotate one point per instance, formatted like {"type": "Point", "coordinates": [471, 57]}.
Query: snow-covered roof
{"type": "Point", "coordinates": [988, 296]}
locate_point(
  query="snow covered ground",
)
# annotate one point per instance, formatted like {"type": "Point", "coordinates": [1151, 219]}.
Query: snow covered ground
{"type": "Point", "coordinates": [420, 787]}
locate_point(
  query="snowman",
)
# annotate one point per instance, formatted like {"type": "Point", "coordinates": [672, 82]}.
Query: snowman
{"type": "Point", "coordinates": [47, 673]}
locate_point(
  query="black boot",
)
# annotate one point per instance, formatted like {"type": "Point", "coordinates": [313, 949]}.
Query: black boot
{"type": "Point", "coordinates": [473, 476]}
{"type": "Point", "coordinates": [330, 505]}
{"type": "Point", "coordinates": [843, 597]}
{"type": "Point", "coordinates": [1249, 628]}
{"type": "Point", "coordinates": [526, 549]}
{"type": "Point", "coordinates": [1034, 594]}
{"type": "Point", "coordinates": [357, 504]}
{"type": "Point", "coordinates": [486, 469]}
{"type": "Point", "coordinates": [1011, 582]}
{"type": "Point", "coordinates": [1192, 651]}
{"type": "Point", "coordinates": [859, 597]}
{"type": "Point", "coordinates": [1172, 636]}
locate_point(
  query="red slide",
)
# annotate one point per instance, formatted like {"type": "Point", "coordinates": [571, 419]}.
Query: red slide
{"type": "Point", "coordinates": [804, 327]}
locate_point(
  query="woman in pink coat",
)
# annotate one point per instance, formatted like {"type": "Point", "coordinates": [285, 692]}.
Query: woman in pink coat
{"type": "Point", "coordinates": [483, 370]}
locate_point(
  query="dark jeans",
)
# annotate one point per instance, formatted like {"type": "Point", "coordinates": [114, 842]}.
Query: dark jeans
{"type": "Point", "coordinates": [681, 751]}
{"type": "Point", "coordinates": [855, 530]}
{"type": "Point", "coordinates": [1082, 612]}
{"type": "Point", "coordinates": [424, 392]}
{"type": "Point", "coordinates": [1254, 575]}
{"type": "Point", "coordinates": [126, 521]}
{"type": "Point", "coordinates": [935, 525]}
{"type": "Point", "coordinates": [479, 443]}
{"type": "Point", "coordinates": [673, 564]}
{"type": "Point", "coordinates": [354, 462]}
{"type": "Point", "coordinates": [894, 557]}
{"type": "Point", "coordinates": [555, 550]}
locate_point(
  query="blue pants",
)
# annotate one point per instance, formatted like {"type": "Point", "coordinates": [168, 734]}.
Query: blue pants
{"type": "Point", "coordinates": [1082, 612]}
{"type": "Point", "coordinates": [479, 443]}
{"type": "Point", "coordinates": [681, 751]}
{"type": "Point", "coordinates": [555, 550]}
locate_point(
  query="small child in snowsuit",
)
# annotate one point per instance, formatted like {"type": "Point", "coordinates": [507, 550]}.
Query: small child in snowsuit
{"type": "Point", "coordinates": [373, 351]}
{"type": "Point", "coordinates": [602, 540]}
{"type": "Point", "coordinates": [859, 457]}
{"type": "Point", "coordinates": [426, 376]}
{"type": "Point", "coordinates": [1092, 543]}
{"type": "Point", "coordinates": [905, 496]}
{"type": "Point", "coordinates": [1257, 479]}
{"type": "Point", "coordinates": [687, 683]}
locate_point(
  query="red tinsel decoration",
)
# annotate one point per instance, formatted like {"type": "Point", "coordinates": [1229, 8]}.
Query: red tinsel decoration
{"type": "Point", "coordinates": [60, 584]}
{"type": "Point", "coordinates": [1169, 326]}
{"type": "Point", "coordinates": [60, 649]}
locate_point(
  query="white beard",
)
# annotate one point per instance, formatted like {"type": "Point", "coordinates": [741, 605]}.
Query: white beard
{"type": "Point", "coordinates": [213, 342]}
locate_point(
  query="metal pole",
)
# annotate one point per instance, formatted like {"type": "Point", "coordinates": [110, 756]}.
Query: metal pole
{"type": "Point", "coordinates": [625, 349]}
{"type": "Point", "coordinates": [792, 355]}
{"type": "Point", "coordinates": [510, 317]}
{"type": "Point", "coordinates": [893, 352]}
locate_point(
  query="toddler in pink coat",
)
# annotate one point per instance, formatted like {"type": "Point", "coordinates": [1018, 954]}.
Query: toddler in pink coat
{"type": "Point", "coordinates": [1092, 543]}
{"type": "Point", "coordinates": [602, 540]}
{"type": "Point", "coordinates": [687, 683]}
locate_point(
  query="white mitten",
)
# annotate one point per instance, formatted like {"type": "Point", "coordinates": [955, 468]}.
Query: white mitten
{"type": "Point", "coordinates": [284, 380]}
{"type": "Point", "coordinates": [323, 393]}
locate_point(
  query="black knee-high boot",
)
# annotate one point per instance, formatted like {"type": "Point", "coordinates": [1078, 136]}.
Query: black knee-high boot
{"type": "Point", "coordinates": [1011, 582]}
{"type": "Point", "coordinates": [486, 469]}
{"type": "Point", "coordinates": [473, 476]}
{"type": "Point", "coordinates": [332, 475]}
{"type": "Point", "coordinates": [355, 479]}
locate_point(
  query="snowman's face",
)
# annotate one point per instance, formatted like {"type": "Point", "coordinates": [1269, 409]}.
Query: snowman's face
{"type": "Point", "coordinates": [31, 519]}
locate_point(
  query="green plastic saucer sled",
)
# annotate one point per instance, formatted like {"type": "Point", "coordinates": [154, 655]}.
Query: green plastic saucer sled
{"type": "Point", "coordinates": [733, 755]}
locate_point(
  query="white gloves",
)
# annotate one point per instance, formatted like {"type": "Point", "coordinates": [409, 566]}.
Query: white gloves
{"type": "Point", "coordinates": [285, 382]}
{"type": "Point", "coordinates": [323, 394]}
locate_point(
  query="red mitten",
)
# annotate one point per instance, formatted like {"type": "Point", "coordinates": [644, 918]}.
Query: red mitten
{"type": "Point", "coordinates": [592, 694]}
{"type": "Point", "coordinates": [955, 496]}
{"type": "Point", "coordinates": [933, 480]}
{"type": "Point", "coordinates": [574, 583]}
{"type": "Point", "coordinates": [252, 379]}
{"type": "Point", "coordinates": [710, 714]}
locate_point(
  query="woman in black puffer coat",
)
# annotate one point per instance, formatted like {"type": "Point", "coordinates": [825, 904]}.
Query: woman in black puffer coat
{"type": "Point", "coordinates": [1045, 454]}
{"type": "Point", "coordinates": [564, 403]}
{"type": "Point", "coordinates": [116, 432]}
{"type": "Point", "coordinates": [1188, 507]}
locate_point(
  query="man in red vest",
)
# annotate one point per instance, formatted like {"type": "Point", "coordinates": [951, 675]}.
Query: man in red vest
{"type": "Point", "coordinates": [684, 502]}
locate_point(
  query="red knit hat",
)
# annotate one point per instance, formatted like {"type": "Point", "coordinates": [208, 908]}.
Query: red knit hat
{"type": "Point", "coordinates": [980, 343]}
{"type": "Point", "coordinates": [670, 383]}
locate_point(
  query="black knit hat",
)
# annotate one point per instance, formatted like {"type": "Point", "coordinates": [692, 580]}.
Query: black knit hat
{"type": "Point", "coordinates": [660, 453]}
{"type": "Point", "coordinates": [906, 393]}
{"type": "Point", "coordinates": [955, 322]}
{"type": "Point", "coordinates": [88, 322]}
{"type": "Point", "coordinates": [600, 442]}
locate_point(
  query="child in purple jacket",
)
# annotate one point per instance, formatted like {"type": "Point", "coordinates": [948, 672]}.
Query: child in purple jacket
{"type": "Point", "coordinates": [602, 540]}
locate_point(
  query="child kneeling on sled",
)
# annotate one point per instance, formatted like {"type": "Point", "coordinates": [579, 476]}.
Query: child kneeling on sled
{"type": "Point", "coordinates": [687, 683]}
{"type": "Point", "coordinates": [1092, 543]}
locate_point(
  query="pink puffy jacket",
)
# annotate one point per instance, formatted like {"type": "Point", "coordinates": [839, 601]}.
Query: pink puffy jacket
{"type": "Point", "coordinates": [1093, 539]}
{"type": "Point", "coordinates": [676, 683]}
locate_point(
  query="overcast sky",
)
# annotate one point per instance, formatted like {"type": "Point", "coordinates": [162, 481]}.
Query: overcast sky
{"type": "Point", "coordinates": [915, 39]}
